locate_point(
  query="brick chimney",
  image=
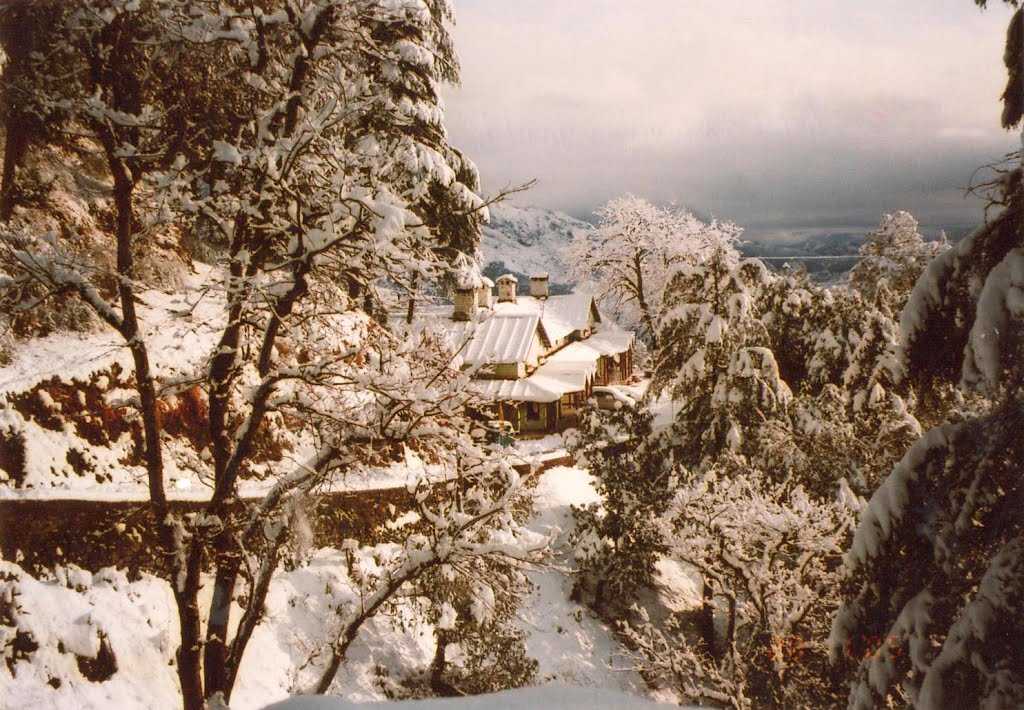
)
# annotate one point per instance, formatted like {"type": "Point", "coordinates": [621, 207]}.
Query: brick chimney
{"type": "Point", "coordinates": [507, 288]}
{"type": "Point", "coordinates": [539, 286]}
{"type": "Point", "coordinates": [465, 304]}
{"type": "Point", "coordinates": [483, 294]}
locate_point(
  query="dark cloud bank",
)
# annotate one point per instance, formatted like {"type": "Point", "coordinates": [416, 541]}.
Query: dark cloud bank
{"type": "Point", "coordinates": [796, 113]}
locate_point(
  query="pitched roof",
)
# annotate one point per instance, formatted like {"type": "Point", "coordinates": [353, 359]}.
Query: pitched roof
{"type": "Point", "coordinates": [502, 338]}
{"type": "Point", "coordinates": [565, 371]}
{"type": "Point", "coordinates": [561, 315]}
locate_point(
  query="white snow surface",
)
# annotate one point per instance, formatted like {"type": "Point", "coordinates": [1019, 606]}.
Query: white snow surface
{"type": "Point", "coordinates": [568, 642]}
{"type": "Point", "coordinates": [552, 696]}
{"type": "Point", "coordinates": [178, 331]}
{"type": "Point", "coordinates": [67, 616]}
{"type": "Point", "coordinates": [501, 338]}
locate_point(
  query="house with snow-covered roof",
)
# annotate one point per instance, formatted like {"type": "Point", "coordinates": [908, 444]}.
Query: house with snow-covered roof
{"type": "Point", "coordinates": [535, 355]}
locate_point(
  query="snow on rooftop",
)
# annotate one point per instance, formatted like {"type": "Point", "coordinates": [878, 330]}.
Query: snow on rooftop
{"type": "Point", "coordinates": [508, 277]}
{"type": "Point", "coordinates": [561, 315]}
{"type": "Point", "coordinates": [527, 389]}
{"type": "Point", "coordinates": [501, 338]}
{"type": "Point", "coordinates": [505, 335]}
{"type": "Point", "coordinates": [610, 339]}
{"type": "Point", "coordinates": [564, 372]}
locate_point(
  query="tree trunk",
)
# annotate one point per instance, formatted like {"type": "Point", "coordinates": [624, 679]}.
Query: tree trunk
{"type": "Point", "coordinates": [410, 312]}
{"type": "Point", "coordinates": [645, 310]}
{"type": "Point", "coordinates": [215, 656]}
{"type": "Point", "coordinates": [186, 568]}
{"type": "Point", "coordinates": [19, 35]}
{"type": "Point", "coordinates": [186, 596]}
{"type": "Point", "coordinates": [441, 687]}
{"type": "Point", "coordinates": [14, 154]}
{"type": "Point", "coordinates": [707, 620]}
{"type": "Point", "coordinates": [730, 630]}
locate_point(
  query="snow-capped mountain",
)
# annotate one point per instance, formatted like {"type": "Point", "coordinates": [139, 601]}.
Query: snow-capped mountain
{"type": "Point", "coordinates": [528, 240]}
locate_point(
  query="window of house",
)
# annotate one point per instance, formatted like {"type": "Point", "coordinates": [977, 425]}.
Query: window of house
{"type": "Point", "coordinates": [532, 411]}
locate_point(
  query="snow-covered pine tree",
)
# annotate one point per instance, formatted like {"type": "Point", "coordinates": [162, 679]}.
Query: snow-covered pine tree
{"type": "Point", "coordinates": [617, 542]}
{"type": "Point", "coordinates": [792, 308]}
{"type": "Point", "coordinates": [879, 409]}
{"type": "Point", "coordinates": [933, 605]}
{"type": "Point", "coordinates": [840, 435]}
{"type": "Point", "coordinates": [713, 357]}
{"type": "Point", "coordinates": [839, 316]}
{"type": "Point", "coordinates": [891, 259]}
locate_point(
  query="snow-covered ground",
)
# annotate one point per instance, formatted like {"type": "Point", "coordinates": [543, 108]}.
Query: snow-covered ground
{"type": "Point", "coordinates": [552, 696]}
{"type": "Point", "coordinates": [70, 616]}
{"type": "Point", "coordinates": [569, 643]}
{"type": "Point", "coordinates": [185, 486]}
{"type": "Point", "coordinates": [543, 445]}
{"type": "Point", "coordinates": [179, 333]}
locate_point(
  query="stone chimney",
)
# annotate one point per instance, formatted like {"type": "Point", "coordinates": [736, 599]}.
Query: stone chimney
{"type": "Point", "coordinates": [507, 288]}
{"type": "Point", "coordinates": [465, 304]}
{"type": "Point", "coordinates": [483, 294]}
{"type": "Point", "coordinates": [539, 286]}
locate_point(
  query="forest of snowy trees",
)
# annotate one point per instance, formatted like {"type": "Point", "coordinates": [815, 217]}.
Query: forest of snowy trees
{"type": "Point", "coordinates": [234, 196]}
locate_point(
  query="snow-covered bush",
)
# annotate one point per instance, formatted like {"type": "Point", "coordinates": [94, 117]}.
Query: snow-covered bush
{"type": "Point", "coordinates": [768, 555]}
{"type": "Point", "coordinates": [932, 597]}
{"type": "Point", "coordinates": [891, 259]}
{"type": "Point", "coordinates": [617, 541]}
{"type": "Point", "coordinates": [665, 656]}
{"type": "Point", "coordinates": [472, 605]}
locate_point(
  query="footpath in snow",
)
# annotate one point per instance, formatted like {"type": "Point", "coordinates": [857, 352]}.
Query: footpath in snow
{"type": "Point", "coordinates": [571, 646]}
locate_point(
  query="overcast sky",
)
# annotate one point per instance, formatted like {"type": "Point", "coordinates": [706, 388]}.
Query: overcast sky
{"type": "Point", "coordinates": [771, 113]}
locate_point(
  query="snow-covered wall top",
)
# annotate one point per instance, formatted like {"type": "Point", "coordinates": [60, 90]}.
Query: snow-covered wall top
{"type": "Point", "coordinates": [552, 696]}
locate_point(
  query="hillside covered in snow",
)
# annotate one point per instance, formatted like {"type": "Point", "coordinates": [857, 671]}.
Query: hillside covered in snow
{"type": "Point", "coordinates": [529, 240]}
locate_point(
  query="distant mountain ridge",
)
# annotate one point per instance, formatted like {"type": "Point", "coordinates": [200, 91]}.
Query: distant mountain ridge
{"type": "Point", "coordinates": [524, 240]}
{"type": "Point", "coordinates": [529, 240]}
{"type": "Point", "coordinates": [840, 245]}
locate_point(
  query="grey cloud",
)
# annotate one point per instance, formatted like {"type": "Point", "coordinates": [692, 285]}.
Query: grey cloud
{"type": "Point", "coordinates": [787, 112]}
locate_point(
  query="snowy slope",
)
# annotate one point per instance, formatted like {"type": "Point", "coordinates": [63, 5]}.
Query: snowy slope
{"type": "Point", "coordinates": [70, 615]}
{"type": "Point", "coordinates": [57, 390]}
{"type": "Point", "coordinates": [528, 240]}
{"type": "Point", "coordinates": [570, 644]}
